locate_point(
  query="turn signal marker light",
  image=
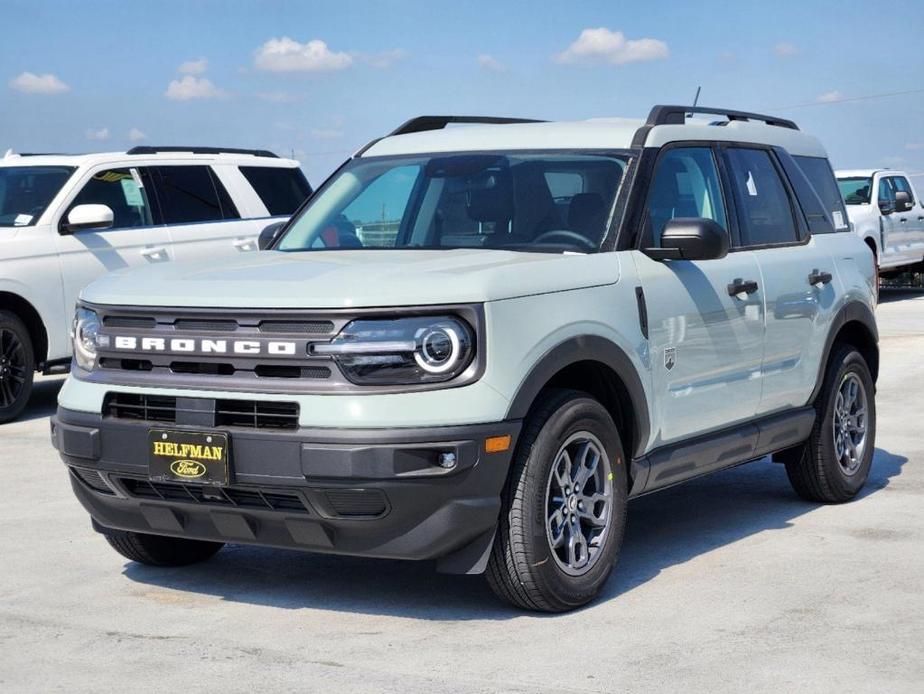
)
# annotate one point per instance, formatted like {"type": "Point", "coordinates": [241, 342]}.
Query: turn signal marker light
{"type": "Point", "coordinates": [497, 444]}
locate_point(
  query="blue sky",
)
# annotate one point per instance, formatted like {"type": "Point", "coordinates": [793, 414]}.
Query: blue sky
{"type": "Point", "coordinates": [321, 78]}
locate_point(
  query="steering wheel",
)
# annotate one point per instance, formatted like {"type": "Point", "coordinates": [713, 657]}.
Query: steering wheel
{"type": "Point", "coordinates": [568, 236]}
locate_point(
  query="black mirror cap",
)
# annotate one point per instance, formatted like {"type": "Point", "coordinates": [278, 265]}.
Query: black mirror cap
{"type": "Point", "coordinates": [691, 238]}
{"type": "Point", "coordinates": [902, 201]}
{"type": "Point", "coordinates": [886, 207]}
{"type": "Point", "coordinates": [270, 234]}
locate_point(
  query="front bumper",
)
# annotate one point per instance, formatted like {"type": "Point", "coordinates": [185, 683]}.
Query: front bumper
{"type": "Point", "coordinates": [363, 492]}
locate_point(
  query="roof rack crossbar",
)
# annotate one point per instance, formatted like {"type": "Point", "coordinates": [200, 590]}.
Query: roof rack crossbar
{"type": "Point", "coordinates": [151, 149]}
{"type": "Point", "coordinates": [677, 115]}
{"type": "Point", "coordinates": [424, 123]}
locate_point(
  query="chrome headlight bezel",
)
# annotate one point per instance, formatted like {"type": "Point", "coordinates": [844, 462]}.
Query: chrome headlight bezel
{"type": "Point", "coordinates": [403, 350]}
{"type": "Point", "coordinates": [84, 336]}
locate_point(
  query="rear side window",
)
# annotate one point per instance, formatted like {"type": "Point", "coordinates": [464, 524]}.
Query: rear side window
{"type": "Point", "coordinates": [765, 213]}
{"type": "Point", "coordinates": [189, 194]}
{"type": "Point", "coordinates": [281, 190]}
{"type": "Point", "coordinates": [819, 173]}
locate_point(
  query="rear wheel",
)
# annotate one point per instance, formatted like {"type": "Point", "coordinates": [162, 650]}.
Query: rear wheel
{"type": "Point", "coordinates": [156, 550]}
{"type": "Point", "coordinates": [564, 507]}
{"type": "Point", "coordinates": [833, 465]}
{"type": "Point", "coordinates": [17, 366]}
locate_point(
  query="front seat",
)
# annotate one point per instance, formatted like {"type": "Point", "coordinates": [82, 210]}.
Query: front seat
{"type": "Point", "coordinates": [586, 215]}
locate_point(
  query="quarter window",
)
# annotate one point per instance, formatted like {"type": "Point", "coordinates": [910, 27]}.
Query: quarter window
{"type": "Point", "coordinates": [189, 194]}
{"type": "Point", "coordinates": [122, 191]}
{"type": "Point", "coordinates": [282, 190]}
{"type": "Point", "coordinates": [819, 173]}
{"type": "Point", "coordinates": [685, 184]}
{"type": "Point", "coordinates": [765, 213]}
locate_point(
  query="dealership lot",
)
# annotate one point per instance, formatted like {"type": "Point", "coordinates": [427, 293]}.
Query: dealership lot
{"type": "Point", "coordinates": [726, 583]}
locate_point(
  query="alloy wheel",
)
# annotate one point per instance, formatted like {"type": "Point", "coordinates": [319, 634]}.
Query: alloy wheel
{"type": "Point", "coordinates": [12, 368]}
{"type": "Point", "coordinates": [850, 422]}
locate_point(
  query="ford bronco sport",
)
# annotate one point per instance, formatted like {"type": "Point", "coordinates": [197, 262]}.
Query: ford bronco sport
{"type": "Point", "coordinates": [475, 343]}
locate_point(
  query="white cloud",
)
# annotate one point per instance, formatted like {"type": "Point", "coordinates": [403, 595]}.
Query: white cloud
{"type": "Point", "coordinates": [30, 83]}
{"type": "Point", "coordinates": [136, 135]}
{"type": "Point", "coordinates": [489, 62]}
{"type": "Point", "coordinates": [387, 58]}
{"type": "Point", "coordinates": [191, 87]}
{"type": "Point", "coordinates": [829, 97]}
{"type": "Point", "coordinates": [101, 134]}
{"type": "Point", "coordinates": [193, 67]}
{"type": "Point", "coordinates": [286, 55]}
{"type": "Point", "coordinates": [604, 46]}
{"type": "Point", "coordinates": [784, 49]}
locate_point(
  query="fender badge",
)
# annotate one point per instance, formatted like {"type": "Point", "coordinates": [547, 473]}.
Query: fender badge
{"type": "Point", "coordinates": [669, 357]}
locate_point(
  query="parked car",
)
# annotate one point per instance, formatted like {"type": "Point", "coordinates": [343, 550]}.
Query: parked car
{"type": "Point", "coordinates": [65, 220]}
{"type": "Point", "coordinates": [888, 215]}
{"type": "Point", "coordinates": [474, 344]}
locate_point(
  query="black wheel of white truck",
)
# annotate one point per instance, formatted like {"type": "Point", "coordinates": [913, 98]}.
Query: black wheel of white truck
{"type": "Point", "coordinates": [564, 507]}
{"type": "Point", "coordinates": [17, 366]}
{"type": "Point", "coordinates": [834, 463]}
{"type": "Point", "coordinates": [156, 550]}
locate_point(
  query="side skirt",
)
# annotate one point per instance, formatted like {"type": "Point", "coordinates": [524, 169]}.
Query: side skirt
{"type": "Point", "coordinates": [679, 462]}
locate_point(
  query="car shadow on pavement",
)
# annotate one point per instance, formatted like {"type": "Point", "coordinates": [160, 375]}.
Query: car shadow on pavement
{"type": "Point", "coordinates": [44, 399]}
{"type": "Point", "coordinates": [665, 529]}
{"type": "Point", "coordinates": [890, 294]}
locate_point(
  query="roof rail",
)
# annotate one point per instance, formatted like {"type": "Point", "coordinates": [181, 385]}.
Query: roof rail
{"type": "Point", "coordinates": [151, 149]}
{"type": "Point", "coordinates": [677, 115]}
{"type": "Point", "coordinates": [424, 123]}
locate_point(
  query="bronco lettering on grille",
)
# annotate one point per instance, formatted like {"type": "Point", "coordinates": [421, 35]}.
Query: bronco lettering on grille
{"type": "Point", "coordinates": [205, 346]}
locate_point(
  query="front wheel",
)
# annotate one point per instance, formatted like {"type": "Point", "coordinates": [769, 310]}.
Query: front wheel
{"type": "Point", "coordinates": [564, 507]}
{"type": "Point", "coordinates": [17, 366]}
{"type": "Point", "coordinates": [833, 465]}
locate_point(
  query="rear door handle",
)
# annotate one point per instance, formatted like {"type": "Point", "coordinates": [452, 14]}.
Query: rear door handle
{"type": "Point", "coordinates": [921, 219]}
{"type": "Point", "coordinates": [819, 277]}
{"type": "Point", "coordinates": [740, 286]}
{"type": "Point", "coordinates": [155, 253]}
{"type": "Point", "coordinates": [902, 219]}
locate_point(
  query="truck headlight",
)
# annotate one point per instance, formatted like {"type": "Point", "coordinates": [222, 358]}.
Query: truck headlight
{"type": "Point", "coordinates": [85, 334]}
{"type": "Point", "coordinates": [403, 351]}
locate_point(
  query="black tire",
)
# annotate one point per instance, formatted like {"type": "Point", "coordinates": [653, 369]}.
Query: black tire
{"type": "Point", "coordinates": [17, 366]}
{"type": "Point", "coordinates": [523, 569]}
{"type": "Point", "coordinates": [156, 550]}
{"type": "Point", "coordinates": [814, 469]}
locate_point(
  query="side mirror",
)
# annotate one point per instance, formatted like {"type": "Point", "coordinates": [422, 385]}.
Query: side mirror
{"type": "Point", "coordinates": [270, 234]}
{"type": "Point", "coordinates": [85, 217]}
{"type": "Point", "coordinates": [886, 207]}
{"type": "Point", "coordinates": [902, 201]}
{"type": "Point", "coordinates": [691, 238]}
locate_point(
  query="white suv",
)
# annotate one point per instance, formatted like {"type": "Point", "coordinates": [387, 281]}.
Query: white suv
{"type": "Point", "coordinates": [66, 220]}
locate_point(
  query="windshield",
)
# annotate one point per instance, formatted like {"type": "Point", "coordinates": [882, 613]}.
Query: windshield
{"type": "Point", "coordinates": [25, 192]}
{"type": "Point", "coordinates": [516, 201]}
{"type": "Point", "coordinates": [855, 190]}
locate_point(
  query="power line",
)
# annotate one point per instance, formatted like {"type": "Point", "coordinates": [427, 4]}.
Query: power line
{"type": "Point", "coordinates": [845, 99]}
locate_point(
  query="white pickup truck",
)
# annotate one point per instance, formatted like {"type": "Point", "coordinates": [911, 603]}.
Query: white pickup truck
{"type": "Point", "coordinates": [888, 215]}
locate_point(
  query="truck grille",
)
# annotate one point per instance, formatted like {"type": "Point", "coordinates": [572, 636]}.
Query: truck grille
{"type": "Point", "coordinates": [250, 498]}
{"type": "Point", "coordinates": [253, 414]}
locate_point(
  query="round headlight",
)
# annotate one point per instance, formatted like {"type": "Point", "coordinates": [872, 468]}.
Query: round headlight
{"type": "Point", "coordinates": [439, 349]}
{"type": "Point", "coordinates": [86, 330]}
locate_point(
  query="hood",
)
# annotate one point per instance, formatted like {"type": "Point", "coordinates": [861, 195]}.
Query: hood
{"type": "Point", "coordinates": [355, 278]}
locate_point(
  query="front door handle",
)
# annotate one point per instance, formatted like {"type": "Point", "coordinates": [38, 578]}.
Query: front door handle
{"type": "Point", "coordinates": [156, 253]}
{"type": "Point", "coordinates": [902, 219]}
{"type": "Point", "coordinates": [819, 277]}
{"type": "Point", "coordinates": [740, 286]}
{"type": "Point", "coordinates": [245, 244]}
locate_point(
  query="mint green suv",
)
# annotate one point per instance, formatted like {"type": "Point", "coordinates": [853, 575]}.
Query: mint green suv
{"type": "Point", "coordinates": [474, 344]}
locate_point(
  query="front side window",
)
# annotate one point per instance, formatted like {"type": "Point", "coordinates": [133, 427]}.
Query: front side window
{"type": "Point", "coordinates": [25, 192]}
{"type": "Point", "coordinates": [685, 184]}
{"type": "Point", "coordinates": [765, 213]}
{"type": "Point", "coordinates": [120, 190]}
{"type": "Point", "coordinates": [515, 201]}
{"type": "Point", "coordinates": [900, 183]}
{"type": "Point", "coordinates": [189, 194]}
{"type": "Point", "coordinates": [282, 190]}
{"type": "Point", "coordinates": [855, 189]}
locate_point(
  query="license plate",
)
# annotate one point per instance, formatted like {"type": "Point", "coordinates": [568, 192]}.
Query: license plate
{"type": "Point", "coordinates": [193, 457]}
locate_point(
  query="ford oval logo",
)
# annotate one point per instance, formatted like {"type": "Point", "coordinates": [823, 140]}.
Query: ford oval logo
{"type": "Point", "coordinates": [190, 469]}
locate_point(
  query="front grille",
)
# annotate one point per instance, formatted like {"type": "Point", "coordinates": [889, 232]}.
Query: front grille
{"type": "Point", "coordinates": [357, 502]}
{"type": "Point", "coordinates": [253, 414]}
{"type": "Point", "coordinates": [259, 414]}
{"type": "Point", "coordinates": [137, 323]}
{"type": "Point", "coordinates": [92, 479]}
{"type": "Point", "coordinates": [313, 327]}
{"type": "Point", "coordinates": [207, 325]}
{"type": "Point", "coordinates": [140, 406]}
{"type": "Point", "coordinates": [252, 498]}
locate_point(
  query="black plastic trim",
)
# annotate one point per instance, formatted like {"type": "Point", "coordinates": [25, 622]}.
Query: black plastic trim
{"type": "Point", "coordinates": [152, 149]}
{"type": "Point", "coordinates": [425, 123]}
{"type": "Point", "coordinates": [852, 312]}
